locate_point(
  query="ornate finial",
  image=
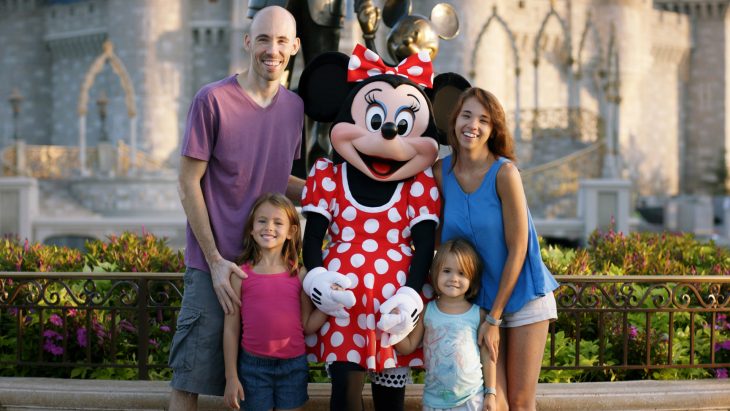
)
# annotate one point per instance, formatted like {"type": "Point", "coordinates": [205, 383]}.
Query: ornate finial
{"type": "Point", "coordinates": [108, 47]}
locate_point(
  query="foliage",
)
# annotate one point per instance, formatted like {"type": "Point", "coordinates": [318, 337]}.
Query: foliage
{"type": "Point", "coordinates": [615, 253]}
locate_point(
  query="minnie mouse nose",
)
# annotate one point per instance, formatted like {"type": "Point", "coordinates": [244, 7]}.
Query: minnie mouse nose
{"type": "Point", "coordinates": [389, 131]}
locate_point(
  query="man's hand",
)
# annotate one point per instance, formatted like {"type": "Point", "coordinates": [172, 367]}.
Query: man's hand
{"type": "Point", "coordinates": [399, 315]}
{"type": "Point", "coordinates": [329, 291]}
{"type": "Point", "coordinates": [220, 274]}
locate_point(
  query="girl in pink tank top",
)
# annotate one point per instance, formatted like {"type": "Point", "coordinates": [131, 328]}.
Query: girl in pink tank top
{"type": "Point", "coordinates": [263, 339]}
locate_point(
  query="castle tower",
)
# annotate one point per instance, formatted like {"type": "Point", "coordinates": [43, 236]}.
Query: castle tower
{"type": "Point", "coordinates": [25, 67]}
{"type": "Point", "coordinates": [152, 40]}
{"type": "Point", "coordinates": [707, 143]}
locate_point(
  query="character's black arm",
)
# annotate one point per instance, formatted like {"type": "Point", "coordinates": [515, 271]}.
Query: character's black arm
{"type": "Point", "coordinates": [424, 236]}
{"type": "Point", "coordinates": [313, 237]}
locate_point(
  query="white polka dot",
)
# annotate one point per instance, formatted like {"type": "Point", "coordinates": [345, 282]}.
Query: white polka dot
{"type": "Point", "coordinates": [331, 357]}
{"type": "Point", "coordinates": [407, 232]}
{"type": "Point", "coordinates": [394, 215]}
{"type": "Point", "coordinates": [371, 321]}
{"type": "Point", "coordinates": [359, 340]}
{"type": "Point", "coordinates": [394, 255]}
{"type": "Point", "coordinates": [342, 322]}
{"type": "Point", "coordinates": [370, 245]}
{"type": "Point", "coordinates": [349, 213]}
{"type": "Point", "coordinates": [321, 350]}
{"type": "Point", "coordinates": [424, 211]}
{"type": "Point", "coordinates": [362, 321]}
{"type": "Point", "coordinates": [370, 362]}
{"type": "Point", "coordinates": [389, 363]}
{"type": "Point", "coordinates": [364, 300]}
{"type": "Point", "coordinates": [371, 55]}
{"type": "Point", "coordinates": [353, 356]}
{"type": "Point", "coordinates": [427, 291]}
{"type": "Point", "coordinates": [376, 305]}
{"type": "Point", "coordinates": [312, 171]}
{"type": "Point", "coordinates": [325, 253]}
{"type": "Point", "coordinates": [415, 70]}
{"type": "Point", "coordinates": [312, 358]}
{"type": "Point", "coordinates": [322, 203]}
{"type": "Point", "coordinates": [411, 212]}
{"type": "Point", "coordinates": [381, 266]}
{"type": "Point", "coordinates": [310, 340]}
{"type": "Point", "coordinates": [424, 56]}
{"type": "Point", "coordinates": [406, 250]}
{"type": "Point", "coordinates": [374, 72]}
{"type": "Point", "coordinates": [328, 184]}
{"type": "Point", "coordinates": [337, 339]}
{"type": "Point", "coordinates": [417, 189]}
{"type": "Point", "coordinates": [393, 236]}
{"type": "Point", "coordinates": [434, 193]}
{"type": "Point", "coordinates": [343, 247]}
{"type": "Point", "coordinates": [428, 172]}
{"type": "Point", "coordinates": [354, 280]}
{"type": "Point", "coordinates": [354, 62]}
{"type": "Point", "coordinates": [416, 362]}
{"type": "Point", "coordinates": [369, 280]}
{"type": "Point", "coordinates": [334, 264]}
{"type": "Point", "coordinates": [335, 228]}
{"type": "Point", "coordinates": [304, 193]}
{"type": "Point", "coordinates": [324, 329]}
{"type": "Point", "coordinates": [401, 277]}
{"type": "Point", "coordinates": [357, 260]}
{"type": "Point", "coordinates": [388, 290]}
{"type": "Point", "coordinates": [335, 208]}
{"type": "Point", "coordinates": [348, 234]}
{"type": "Point", "coordinates": [371, 225]}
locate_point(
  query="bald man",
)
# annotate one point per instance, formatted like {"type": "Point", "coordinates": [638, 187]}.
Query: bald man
{"type": "Point", "coordinates": [242, 135]}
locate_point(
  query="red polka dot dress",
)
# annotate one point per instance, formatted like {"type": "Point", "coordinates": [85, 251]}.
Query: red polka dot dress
{"type": "Point", "coordinates": [372, 247]}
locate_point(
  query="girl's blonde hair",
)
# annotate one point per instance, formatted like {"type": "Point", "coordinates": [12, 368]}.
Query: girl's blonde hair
{"type": "Point", "coordinates": [466, 257]}
{"type": "Point", "coordinates": [290, 252]}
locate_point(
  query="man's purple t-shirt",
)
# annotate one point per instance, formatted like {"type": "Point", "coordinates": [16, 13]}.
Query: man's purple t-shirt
{"type": "Point", "coordinates": [249, 150]}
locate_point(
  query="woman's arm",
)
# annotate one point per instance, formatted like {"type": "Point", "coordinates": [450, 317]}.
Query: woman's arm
{"type": "Point", "coordinates": [231, 344]}
{"type": "Point", "coordinates": [514, 217]}
{"type": "Point", "coordinates": [412, 340]}
{"type": "Point", "coordinates": [438, 176]}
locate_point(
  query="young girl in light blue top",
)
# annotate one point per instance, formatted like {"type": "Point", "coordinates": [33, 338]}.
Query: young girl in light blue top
{"type": "Point", "coordinates": [459, 375]}
{"type": "Point", "coordinates": [484, 202]}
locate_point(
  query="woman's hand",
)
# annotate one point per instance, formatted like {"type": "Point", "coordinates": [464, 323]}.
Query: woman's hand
{"type": "Point", "coordinates": [490, 402]}
{"type": "Point", "coordinates": [489, 337]}
{"type": "Point", "coordinates": [233, 393]}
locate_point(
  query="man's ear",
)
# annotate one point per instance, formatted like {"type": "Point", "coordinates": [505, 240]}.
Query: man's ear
{"type": "Point", "coordinates": [247, 42]}
{"type": "Point", "coordinates": [297, 45]}
{"type": "Point", "coordinates": [323, 86]}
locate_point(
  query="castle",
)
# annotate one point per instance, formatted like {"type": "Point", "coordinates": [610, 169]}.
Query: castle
{"type": "Point", "coordinates": [647, 79]}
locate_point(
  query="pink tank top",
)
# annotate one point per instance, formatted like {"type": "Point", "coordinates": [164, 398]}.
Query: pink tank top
{"type": "Point", "coordinates": [271, 320]}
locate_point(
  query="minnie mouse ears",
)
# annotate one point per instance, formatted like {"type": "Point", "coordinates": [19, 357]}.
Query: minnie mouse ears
{"type": "Point", "coordinates": [324, 88]}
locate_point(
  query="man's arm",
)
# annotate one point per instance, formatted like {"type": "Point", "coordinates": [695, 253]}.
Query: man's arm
{"type": "Point", "coordinates": [191, 197]}
{"type": "Point", "coordinates": [294, 188]}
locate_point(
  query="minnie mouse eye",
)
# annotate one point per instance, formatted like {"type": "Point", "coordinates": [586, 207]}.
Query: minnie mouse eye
{"type": "Point", "coordinates": [374, 118]}
{"type": "Point", "coordinates": [404, 122]}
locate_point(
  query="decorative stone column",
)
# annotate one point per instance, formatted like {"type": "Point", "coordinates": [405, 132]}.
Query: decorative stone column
{"type": "Point", "coordinates": [604, 204]}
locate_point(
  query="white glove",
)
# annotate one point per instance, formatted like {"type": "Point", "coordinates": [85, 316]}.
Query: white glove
{"type": "Point", "coordinates": [318, 285]}
{"type": "Point", "coordinates": [396, 326]}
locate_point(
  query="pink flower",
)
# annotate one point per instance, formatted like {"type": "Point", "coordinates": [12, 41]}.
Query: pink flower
{"type": "Point", "coordinates": [127, 326]}
{"type": "Point", "coordinates": [633, 332]}
{"type": "Point", "coordinates": [52, 335]}
{"type": "Point", "coordinates": [52, 348]}
{"type": "Point", "coordinates": [721, 373]}
{"type": "Point", "coordinates": [165, 328]}
{"type": "Point", "coordinates": [56, 320]}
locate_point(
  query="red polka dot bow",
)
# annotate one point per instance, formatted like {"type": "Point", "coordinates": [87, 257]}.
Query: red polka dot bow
{"type": "Point", "coordinates": [366, 63]}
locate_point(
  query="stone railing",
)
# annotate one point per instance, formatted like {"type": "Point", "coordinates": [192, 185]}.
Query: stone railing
{"type": "Point", "coordinates": [62, 162]}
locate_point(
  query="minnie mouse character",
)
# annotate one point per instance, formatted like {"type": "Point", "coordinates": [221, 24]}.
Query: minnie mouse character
{"type": "Point", "coordinates": [378, 203]}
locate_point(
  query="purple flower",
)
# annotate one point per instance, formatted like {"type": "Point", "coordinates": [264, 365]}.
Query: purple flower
{"type": "Point", "coordinates": [165, 328]}
{"type": "Point", "coordinates": [52, 348]}
{"type": "Point", "coordinates": [633, 332]}
{"type": "Point", "coordinates": [721, 373]}
{"type": "Point", "coordinates": [81, 337]}
{"type": "Point", "coordinates": [154, 343]}
{"type": "Point", "coordinates": [13, 311]}
{"type": "Point", "coordinates": [51, 335]}
{"type": "Point", "coordinates": [127, 326]}
{"type": "Point", "coordinates": [56, 320]}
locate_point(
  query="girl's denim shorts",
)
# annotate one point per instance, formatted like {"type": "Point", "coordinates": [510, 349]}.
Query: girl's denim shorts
{"type": "Point", "coordinates": [272, 382]}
